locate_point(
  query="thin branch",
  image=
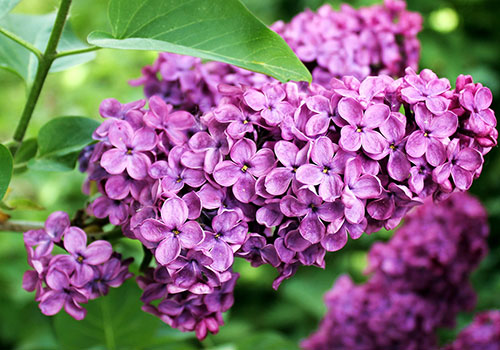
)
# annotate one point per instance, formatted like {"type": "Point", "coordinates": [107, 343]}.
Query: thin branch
{"type": "Point", "coordinates": [78, 51]}
{"type": "Point", "coordinates": [21, 42]}
{"type": "Point", "coordinates": [20, 226]}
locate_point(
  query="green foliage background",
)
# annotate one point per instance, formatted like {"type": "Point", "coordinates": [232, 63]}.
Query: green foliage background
{"type": "Point", "coordinates": [459, 36]}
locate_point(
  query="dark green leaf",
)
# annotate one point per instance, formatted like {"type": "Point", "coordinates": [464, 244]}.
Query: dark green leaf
{"type": "Point", "coordinates": [36, 30]}
{"type": "Point", "coordinates": [266, 340]}
{"type": "Point", "coordinates": [6, 165]}
{"type": "Point", "coordinates": [220, 30]}
{"type": "Point", "coordinates": [115, 321]}
{"type": "Point", "coordinates": [6, 6]}
{"type": "Point", "coordinates": [65, 135]}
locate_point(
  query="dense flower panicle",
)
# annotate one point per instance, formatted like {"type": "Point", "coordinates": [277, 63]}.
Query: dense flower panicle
{"type": "Point", "coordinates": [299, 168]}
{"type": "Point", "coordinates": [380, 39]}
{"type": "Point", "coordinates": [482, 334]}
{"type": "Point", "coordinates": [419, 282]}
{"type": "Point", "coordinates": [67, 281]}
{"type": "Point", "coordinates": [185, 309]}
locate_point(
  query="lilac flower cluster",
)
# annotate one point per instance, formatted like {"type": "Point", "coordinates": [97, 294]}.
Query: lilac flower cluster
{"type": "Point", "coordinates": [374, 40]}
{"type": "Point", "coordinates": [381, 39]}
{"type": "Point", "coordinates": [482, 334]}
{"type": "Point", "coordinates": [69, 280]}
{"type": "Point", "coordinates": [420, 281]}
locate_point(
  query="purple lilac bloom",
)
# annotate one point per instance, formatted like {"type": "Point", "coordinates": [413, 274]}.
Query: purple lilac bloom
{"type": "Point", "coordinates": [69, 280]}
{"type": "Point", "coordinates": [44, 239]}
{"type": "Point", "coordinates": [482, 334]}
{"type": "Point", "coordinates": [419, 283]}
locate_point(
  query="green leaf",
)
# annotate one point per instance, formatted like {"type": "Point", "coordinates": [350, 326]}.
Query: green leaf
{"type": "Point", "coordinates": [24, 154]}
{"type": "Point", "coordinates": [65, 135]}
{"type": "Point", "coordinates": [56, 163]}
{"type": "Point", "coordinates": [60, 142]}
{"type": "Point", "coordinates": [23, 204]}
{"type": "Point", "coordinates": [115, 321]}
{"type": "Point", "coordinates": [6, 166]}
{"type": "Point", "coordinates": [6, 6]}
{"type": "Point", "coordinates": [267, 340]}
{"type": "Point", "coordinates": [220, 30]}
{"type": "Point", "coordinates": [36, 30]}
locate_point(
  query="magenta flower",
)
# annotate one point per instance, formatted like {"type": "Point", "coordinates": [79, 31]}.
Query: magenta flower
{"type": "Point", "coordinates": [311, 209]}
{"type": "Point", "coordinates": [174, 124]}
{"type": "Point", "coordinates": [174, 175]}
{"type": "Point", "coordinates": [478, 102]}
{"type": "Point", "coordinates": [246, 164]}
{"type": "Point", "coordinates": [172, 233]}
{"type": "Point", "coordinates": [111, 273]}
{"type": "Point", "coordinates": [240, 122]}
{"type": "Point", "coordinates": [129, 150]}
{"type": "Point", "coordinates": [427, 88]}
{"type": "Point", "coordinates": [214, 144]}
{"type": "Point", "coordinates": [461, 165]}
{"type": "Point", "coordinates": [44, 239]}
{"type": "Point", "coordinates": [62, 294]}
{"type": "Point", "coordinates": [398, 165]}
{"type": "Point", "coordinates": [270, 103]}
{"type": "Point", "coordinates": [116, 210]}
{"type": "Point", "coordinates": [193, 273]}
{"type": "Point", "coordinates": [429, 139]}
{"type": "Point", "coordinates": [360, 131]}
{"type": "Point", "coordinates": [121, 186]}
{"type": "Point", "coordinates": [83, 258]}
{"type": "Point", "coordinates": [324, 111]}
{"type": "Point", "coordinates": [324, 172]}
{"type": "Point", "coordinates": [357, 188]}
{"type": "Point", "coordinates": [229, 234]}
{"type": "Point", "coordinates": [289, 155]}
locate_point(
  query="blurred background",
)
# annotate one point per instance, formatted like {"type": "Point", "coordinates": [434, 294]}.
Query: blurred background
{"type": "Point", "coordinates": [459, 37]}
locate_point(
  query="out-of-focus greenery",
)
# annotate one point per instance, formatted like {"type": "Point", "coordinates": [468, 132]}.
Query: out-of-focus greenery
{"type": "Point", "coordinates": [459, 36]}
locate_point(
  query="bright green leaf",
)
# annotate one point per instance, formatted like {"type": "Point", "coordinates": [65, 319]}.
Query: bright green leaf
{"type": "Point", "coordinates": [115, 321]}
{"type": "Point", "coordinates": [220, 30]}
{"type": "Point", "coordinates": [64, 135]}
{"type": "Point", "coordinates": [6, 165]}
{"type": "Point", "coordinates": [6, 6]}
{"type": "Point", "coordinates": [36, 30]}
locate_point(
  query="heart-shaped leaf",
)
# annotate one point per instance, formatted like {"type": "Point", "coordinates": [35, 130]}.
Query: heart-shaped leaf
{"type": "Point", "coordinates": [6, 165]}
{"type": "Point", "coordinates": [36, 30]}
{"type": "Point", "coordinates": [220, 30]}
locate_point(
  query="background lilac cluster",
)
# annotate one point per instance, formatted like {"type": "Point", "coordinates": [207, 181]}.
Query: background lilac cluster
{"type": "Point", "coordinates": [420, 281]}
{"type": "Point", "coordinates": [482, 334]}
{"type": "Point", "coordinates": [380, 39]}
{"type": "Point", "coordinates": [69, 280]}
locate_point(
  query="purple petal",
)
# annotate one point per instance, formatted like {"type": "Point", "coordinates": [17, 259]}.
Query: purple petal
{"type": "Point", "coordinates": [117, 187]}
{"type": "Point", "coordinates": [170, 307]}
{"type": "Point", "coordinates": [227, 173]}
{"type": "Point", "coordinates": [296, 242]}
{"type": "Point", "coordinates": [228, 113]}
{"type": "Point", "coordinates": [120, 135]}
{"type": "Point", "coordinates": [318, 104]}
{"type": "Point", "coordinates": [243, 151]}
{"type": "Point", "coordinates": [191, 234]}
{"type": "Point", "coordinates": [174, 212]}
{"type": "Point", "coordinates": [222, 256]}
{"type": "Point", "coordinates": [461, 177]}
{"type": "Point", "coordinates": [312, 229]}
{"type": "Point", "coordinates": [350, 138]}
{"type": "Point", "coordinates": [144, 140]}
{"type": "Point", "coordinates": [269, 215]}
{"type": "Point", "coordinates": [52, 302]}
{"type": "Point", "coordinates": [255, 99]}
{"type": "Point", "coordinates": [334, 241]}
{"type": "Point", "coordinates": [57, 280]}
{"type": "Point", "coordinates": [75, 310]}
{"type": "Point", "coordinates": [75, 240]}
{"type": "Point", "coordinates": [168, 249]}
{"type": "Point", "coordinates": [376, 115]}
{"type": "Point", "coordinates": [310, 174]}
{"type": "Point", "coordinates": [153, 230]}
{"type": "Point", "coordinates": [137, 165]}
{"type": "Point", "coordinates": [398, 166]}
{"type": "Point", "coordinates": [323, 151]}
{"type": "Point", "coordinates": [355, 212]}
{"type": "Point", "coordinates": [416, 145]}
{"type": "Point", "coordinates": [381, 209]}
{"type": "Point", "coordinates": [278, 181]}
{"type": "Point", "coordinates": [411, 95]}
{"type": "Point", "coordinates": [317, 125]}
{"type": "Point", "coordinates": [286, 152]}
{"type": "Point", "coordinates": [114, 161]}
{"type": "Point", "coordinates": [469, 159]}
{"type": "Point", "coordinates": [331, 187]}
{"type": "Point", "coordinates": [437, 105]}
{"type": "Point", "coordinates": [436, 152]}
{"type": "Point", "coordinates": [261, 163]}
{"type": "Point", "coordinates": [373, 142]}
{"type": "Point", "coordinates": [193, 203]}
{"type": "Point", "coordinates": [367, 186]}
{"type": "Point", "coordinates": [97, 252]}
{"type": "Point", "coordinates": [350, 110]}
{"type": "Point", "coordinates": [244, 189]}
{"type": "Point", "coordinates": [483, 98]}
{"type": "Point", "coordinates": [444, 125]}
{"type": "Point", "coordinates": [55, 225]}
